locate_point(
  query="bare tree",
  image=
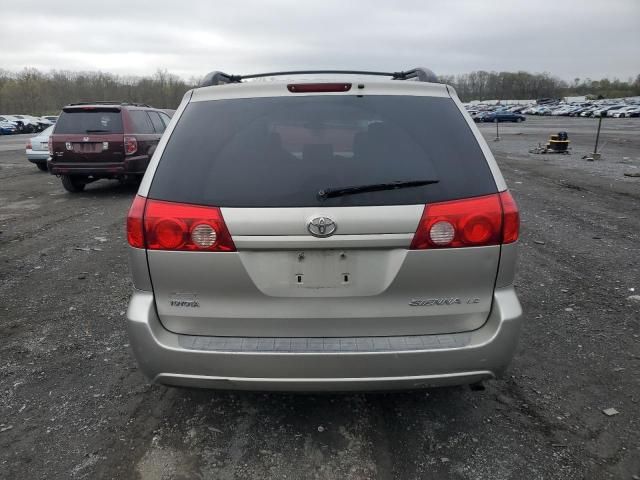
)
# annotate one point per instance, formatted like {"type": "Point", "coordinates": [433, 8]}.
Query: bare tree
{"type": "Point", "coordinates": [37, 93]}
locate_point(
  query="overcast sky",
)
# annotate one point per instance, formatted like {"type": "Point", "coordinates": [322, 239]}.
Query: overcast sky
{"type": "Point", "coordinates": [572, 38]}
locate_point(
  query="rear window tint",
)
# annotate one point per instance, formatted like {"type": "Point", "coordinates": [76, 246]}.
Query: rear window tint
{"type": "Point", "coordinates": [281, 151]}
{"type": "Point", "coordinates": [94, 121]}
{"type": "Point", "coordinates": [165, 118]}
{"type": "Point", "coordinates": [158, 125]}
{"type": "Point", "coordinates": [141, 121]}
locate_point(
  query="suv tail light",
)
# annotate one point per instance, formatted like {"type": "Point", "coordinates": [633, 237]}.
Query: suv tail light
{"type": "Point", "coordinates": [28, 147]}
{"type": "Point", "coordinates": [130, 145]}
{"type": "Point", "coordinates": [50, 145]}
{"type": "Point", "coordinates": [471, 222]}
{"type": "Point", "coordinates": [159, 225]}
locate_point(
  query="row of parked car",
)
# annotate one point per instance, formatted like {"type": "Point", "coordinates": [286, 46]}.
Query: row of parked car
{"type": "Point", "coordinates": [587, 109]}
{"type": "Point", "coordinates": [10, 124]}
{"type": "Point", "coordinates": [628, 108]}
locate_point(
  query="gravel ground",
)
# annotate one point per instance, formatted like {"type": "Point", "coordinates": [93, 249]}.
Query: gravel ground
{"type": "Point", "coordinates": [74, 405]}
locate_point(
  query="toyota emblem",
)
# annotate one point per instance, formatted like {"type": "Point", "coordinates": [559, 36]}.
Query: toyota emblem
{"type": "Point", "coordinates": [322, 227]}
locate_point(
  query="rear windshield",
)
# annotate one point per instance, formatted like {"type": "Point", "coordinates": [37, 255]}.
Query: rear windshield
{"type": "Point", "coordinates": [94, 121]}
{"type": "Point", "coordinates": [281, 151]}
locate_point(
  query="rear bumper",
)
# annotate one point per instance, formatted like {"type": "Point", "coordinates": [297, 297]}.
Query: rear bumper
{"type": "Point", "coordinates": [173, 359]}
{"type": "Point", "coordinates": [130, 166]}
{"type": "Point", "coordinates": [37, 156]}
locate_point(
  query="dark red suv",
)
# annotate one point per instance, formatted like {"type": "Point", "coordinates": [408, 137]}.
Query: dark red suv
{"type": "Point", "coordinates": [104, 140]}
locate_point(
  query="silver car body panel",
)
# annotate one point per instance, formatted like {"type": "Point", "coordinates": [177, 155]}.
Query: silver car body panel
{"type": "Point", "coordinates": [257, 293]}
{"type": "Point", "coordinates": [175, 359]}
{"type": "Point", "coordinates": [139, 269]}
{"type": "Point", "coordinates": [350, 220]}
{"type": "Point", "coordinates": [507, 268]}
{"type": "Point", "coordinates": [37, 155]}
{"type": "Point", "coordinates": [39, 151]}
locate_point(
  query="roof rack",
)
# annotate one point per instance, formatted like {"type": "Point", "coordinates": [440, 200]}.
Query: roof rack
{"type": "Point", "coordinates": [220, 78]}
{"type": "Point", "coordinates": [107, 102]}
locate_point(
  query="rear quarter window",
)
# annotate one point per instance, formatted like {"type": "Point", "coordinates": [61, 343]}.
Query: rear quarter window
{"type": "Point", "coordinates": [158, 124]}
{"type": "Point", "coordinates": [141, 122]}
{"type": "Point", "coordinates": [281, 151]}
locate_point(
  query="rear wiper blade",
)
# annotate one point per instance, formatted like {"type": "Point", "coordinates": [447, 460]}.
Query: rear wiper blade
{"type": "Point", "coordinates": [374, 187]}
{"type": "Point", "coordinates": [97, 131]}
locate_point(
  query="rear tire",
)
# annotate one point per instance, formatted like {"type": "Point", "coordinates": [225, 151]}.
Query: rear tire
{"type": "Point", "coordinates": [72, 183]}
{"type": "Point", "coordinates": [519, 119]}
{"type": "Point", "coordinates": [42, 166]}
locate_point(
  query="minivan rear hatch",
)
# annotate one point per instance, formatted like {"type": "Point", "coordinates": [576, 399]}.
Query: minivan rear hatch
{"type": "Point", "coordinates": [265, 163]}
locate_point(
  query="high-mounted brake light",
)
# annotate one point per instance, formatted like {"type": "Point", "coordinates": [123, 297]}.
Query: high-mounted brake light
{"type": "Point", "coordinates": [318, 87]}
{"type": "Point", "coordinates": [130, 145]}
{"type": "Point", "coordinates": [471, 222]}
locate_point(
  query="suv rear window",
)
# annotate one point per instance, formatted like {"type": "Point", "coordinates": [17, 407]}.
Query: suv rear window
{"type": "Point", "coordinates": [89, 121]}
{"type": "Point", "coordinates": [281, 151]}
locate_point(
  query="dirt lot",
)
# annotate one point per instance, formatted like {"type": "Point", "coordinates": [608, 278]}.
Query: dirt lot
{"type": "Point", "coordinates": [74, 405]}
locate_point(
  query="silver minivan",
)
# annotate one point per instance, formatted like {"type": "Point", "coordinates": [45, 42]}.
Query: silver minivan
{"type": "Point", "coordinates": [330, 231]}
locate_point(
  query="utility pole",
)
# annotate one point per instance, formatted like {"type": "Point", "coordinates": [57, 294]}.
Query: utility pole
{"type": "Point", "coordinates": [595, 155]}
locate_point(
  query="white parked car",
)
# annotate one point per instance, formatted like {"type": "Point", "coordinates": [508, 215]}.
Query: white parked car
{"type": "Point", "coordinates": [37, 149]}
{"type": "Point", "coordinates": [608, 110]}
{"type": "Point", "coordinates": [29, 125]}
{"type": "Point", "coordinates": [626, 111]}
{"type": "Point", "coordinates": [562, 110]}
{"type": "Point", "coordinates": [37, 123]}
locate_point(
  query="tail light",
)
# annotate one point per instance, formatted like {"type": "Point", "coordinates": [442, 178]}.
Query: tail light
{"type": "Point", "coordinates": [50, 145]}
{"type": "Point", "coordinates": [130, 145]}
{"type": "Point", "coordinates": [471, 222]}
{"type": "Point", "coordinates": [28, 147]}
{"type": "Point", "coordinates": [135, 222]}
{"type": "Point", "coordinates": [510, 218]}
{"type": "Point", "coordinates": [159, 225]}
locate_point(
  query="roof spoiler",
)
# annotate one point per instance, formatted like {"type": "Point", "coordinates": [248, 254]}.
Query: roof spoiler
{"type": "Point", "coordinates": [107, 102]}
{"type": "Point", "coordinates": [220, 78]}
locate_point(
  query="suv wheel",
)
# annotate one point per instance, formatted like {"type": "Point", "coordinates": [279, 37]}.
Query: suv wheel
{"type": "Point", "coordinates": [42, 166]}
{"type": "Point", "coordinates": [72, 183]}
